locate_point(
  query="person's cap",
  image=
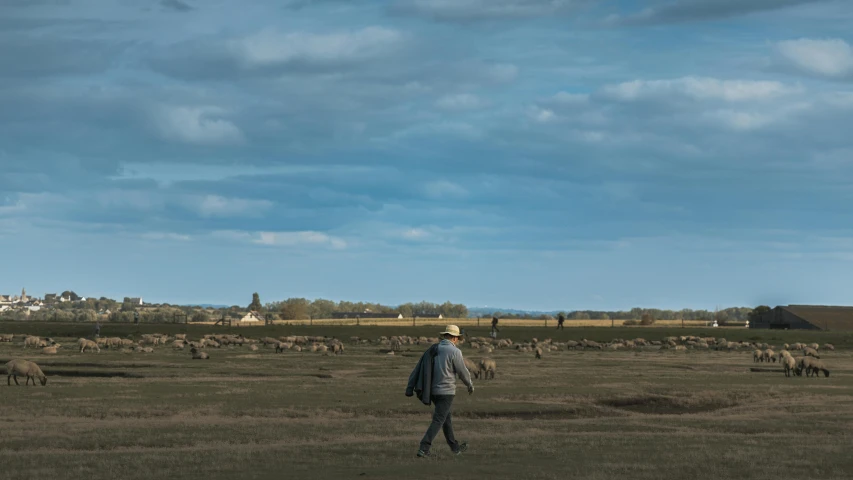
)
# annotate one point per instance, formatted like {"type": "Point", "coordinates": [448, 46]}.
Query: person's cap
{"type": "Point", "coordinates": [451, 330]}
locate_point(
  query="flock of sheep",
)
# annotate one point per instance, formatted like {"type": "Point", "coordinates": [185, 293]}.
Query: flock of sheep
{"type": "Point", "coordinates": [809, 362]}
{"type": "Point", "coordinates": [485, 368]}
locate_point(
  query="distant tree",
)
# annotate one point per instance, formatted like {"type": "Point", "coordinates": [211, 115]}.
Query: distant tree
{"type": "Point", "coordinates": [647, 319]}
{"type": "Point", "coordinates": [295, 309]}
{"type": "Point", "coordinates": [199, 316]}
{"type": "Point", "coordinates": [70, 294]}
{"type": "Point", "coordinates": [757, 312]}
{"type": "Point", "coordinates": [256, 305]}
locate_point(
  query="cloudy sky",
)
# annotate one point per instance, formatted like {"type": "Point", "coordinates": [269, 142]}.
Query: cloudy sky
{"type": "Point", "coordinates": [550, 154]}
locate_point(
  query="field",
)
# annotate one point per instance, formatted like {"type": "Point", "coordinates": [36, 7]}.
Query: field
{"type": "Point", "coordinates": [590, 415]}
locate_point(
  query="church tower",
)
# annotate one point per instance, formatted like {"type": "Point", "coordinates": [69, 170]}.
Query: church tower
{"type": "Point", "coordinates": [24, 295]}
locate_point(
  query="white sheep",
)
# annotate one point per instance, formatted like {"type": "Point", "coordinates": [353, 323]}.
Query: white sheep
{"type": "Point", "coordinates": [84, 344]}
{"type": "Point", "coordinates": [24, 367]}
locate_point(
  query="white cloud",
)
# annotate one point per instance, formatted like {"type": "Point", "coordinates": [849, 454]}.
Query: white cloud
{"type": "Point", "coordinates": [570, 99]}
{"type": "Point", "coordinates": [830, 57]}
{"type": "Point", "coordinates": [543, 115]}
{"type": "Point", "coordinates": [197, 125]}
{"type": "Point", "coordinates": [444, 189]}
{"type": "Point", "coordinates": [270, 47]}
{"type": "Point", "coordinates": [218, 206]}
{"type": "Point", "coordinates": [697, 88]}
{"type": "Point", "coordinates": [742, 121]}
{"type": "Point", "coordinates": [306, 238]}
{"type": "Point", "coordinates": [166, 236]}
{"type": "Point", "coordinates": [461, 101]}
{"type": "Point", "coordinates": [295, 239]}
{"type": "Point", "coordinates": [503, 72]}
{"type": "Point", "coordinates": [415, 234]}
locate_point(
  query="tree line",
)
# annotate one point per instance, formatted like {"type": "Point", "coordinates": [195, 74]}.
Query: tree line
{"type": "Point", "coordinates": [302, 308]}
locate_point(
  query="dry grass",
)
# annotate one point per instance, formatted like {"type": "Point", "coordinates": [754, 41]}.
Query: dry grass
{"type": "Point", "coordinates": [589, 415]}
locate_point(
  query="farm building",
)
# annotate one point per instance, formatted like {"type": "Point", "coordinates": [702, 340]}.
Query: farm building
{"type": "Point", "coordinates": [252, 317]}
{"type": "Point", "coordinates": [806, 317]}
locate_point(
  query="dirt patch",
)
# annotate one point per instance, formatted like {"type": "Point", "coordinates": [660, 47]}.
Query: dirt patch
{"type": "Point", "coordinates": [669, 405]}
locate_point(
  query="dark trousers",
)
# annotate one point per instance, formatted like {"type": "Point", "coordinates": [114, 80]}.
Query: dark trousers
{"type": "Point", "coordinates": [441, 420]}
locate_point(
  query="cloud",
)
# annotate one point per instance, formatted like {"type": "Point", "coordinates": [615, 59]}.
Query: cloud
{"type": "Point", "coordinates": [461, 101]}
{"type": "Point", "coordinates": [296, 239]}
{"type": "Point", "coordinates": [701, 10]}
{"type": "Point", "coordinates": [197, 125]}
{"type": "Point", "coordinates": [176, 5]}
{"type": "Point", "coordinates": [217, 206]}
{"type": "Point", "coordinates": [415, 234]}
{"type": "Point", "coordinates": [270, 47]}
{"type": "Point", "coordinates": [166, 236]}
{"type": "Point", "coordinates": [696, 88]}
{"type": "Point", "coordinates": [444, 189]}
{"type": "Point", "coordinates": [831, 58]}
{"type": "Point", "coordinates": [479, 10]}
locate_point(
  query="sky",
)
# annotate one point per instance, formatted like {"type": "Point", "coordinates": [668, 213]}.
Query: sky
{"type": "Point", "coordinates": [536, 154]}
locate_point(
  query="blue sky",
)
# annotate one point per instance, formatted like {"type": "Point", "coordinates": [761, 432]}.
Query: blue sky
{"type": "Point", "coordinates": [547, 154]}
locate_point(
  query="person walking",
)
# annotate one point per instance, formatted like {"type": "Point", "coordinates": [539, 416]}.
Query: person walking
{"type": "Point", "coordinates": [97, 328]}
{"type": "Point", "coordinates": [434, 379]}
{"type": "Point", "coordinates": [560, 319]}
{"type": "Point", "coordinates": [494, 327]}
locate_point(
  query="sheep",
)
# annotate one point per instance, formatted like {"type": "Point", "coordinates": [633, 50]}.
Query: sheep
{"type": "Point", "coordinates": [6, 337]}
{"type": "Point", "coordinates": [814, 345]}
{"type": "Point", "coordinates": [783, 354]}
{"type": "Point", "coordinates": [769, 356]}
{"type": "Point", "coordinates": [817, 366]}
{"type": "Point", "coordinates": [31, 341]}
{"type": "Point", "coordinates": [178, 344]}
{"type": "Point", "coordinates": [338, 348]}
{"type": "Point", "coordinates": [49, 350]}
{"type": "Point", "coordinates": [538, 353]}
{"type": "Point", "coordinates": [810, 352]}
{"type": "Point", "coordinates": [280, 347]}
{"type": "Point", "coordinates": [757, 356]}
{"type": "Point", "coordinates": [24, 367]}
{"type": "Point", "coordinates": [789, 364]}
{"type": "Point", "coordinates": [180, 336]}
{"type": "Point", "coordinates": [472, 367]}
{"type": "Point", "coordinates": [253, 348]}
{"type": "Point", "coordinates": [84, 344]}
{"type": "Point", "coordinates": [199, 355]}
{"type": "Point", "coordinates": [487, 368]}
{"type": "Point", "coordinates": [827, 346]}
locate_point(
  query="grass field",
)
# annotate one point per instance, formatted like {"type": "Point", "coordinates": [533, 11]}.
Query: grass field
{"type": "Point", "coordinates": [592, 414]}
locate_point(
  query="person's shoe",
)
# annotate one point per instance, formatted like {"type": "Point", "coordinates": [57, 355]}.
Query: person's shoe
{"type": "Point", "coordinates": [462, 448]}
{"type": "Point", "coordinates": [423, 454]}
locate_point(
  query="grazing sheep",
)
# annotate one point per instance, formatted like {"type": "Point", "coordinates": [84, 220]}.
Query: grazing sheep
{"type": "Point", "coordinates": [769, 356]}
{"type": "Point", "coordinates": [538, 353]}
{"type": "Point", "coordinates": [487, 368]}
{"type": "Point", "coordinates": [817, 366]}
{"type": "Point", "coordinates": [178, 345]}
{"type": "Point", "coordinates": [49, 350]}
{"type": "Point", "coordinates": [32, 342]}
{"type": "Point", "coordinates": [199, 355]}
{"type": "Point", "coordinates": [6, 337]}
{"type": "Point", "coordinates": [472, 368]}
{"type": "Point", "coordinates": [810, 352]}
{"type": "Point", "coordinates": [827, 346]}
{"type": "Point", "coordinates": [783, 354]}
{"type": "Point", "coordinates": [789, 364]}
{"type": "Point", "coordinates": [757, 356]}
{"type": "Point", "coordinates": [84, 344]}
{"type": "Point", "coordinates": [338, 349]}
{"type": "Point", "coordinates": [280, 347]}
{"type": "Point", "coordinates": [815, 346]}
{"type": "Point", "coordinates": [253, 348]}
{"type": "Point", "coordinates": [181, 336]}
{"type": "Point", "coordinates": [24, 367]}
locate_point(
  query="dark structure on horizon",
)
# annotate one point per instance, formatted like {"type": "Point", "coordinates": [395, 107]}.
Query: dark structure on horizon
{"type": "Point", "coordinates": [806, 317]}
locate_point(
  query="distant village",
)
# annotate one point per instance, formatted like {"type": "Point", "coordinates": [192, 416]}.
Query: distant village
{"type": "Point", "coordinates": [29, 303]}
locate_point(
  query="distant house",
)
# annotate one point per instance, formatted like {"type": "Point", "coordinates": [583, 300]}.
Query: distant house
{"type": "Point", "coordinates": [133, 300]}
{"type": "Point", "coordinates": [806, 317]}
{"type": "Point", "coordinates": [50, 298]}
{"type": "Point", "coordinates": [3, 308]}
{"type": "Point", "coordinates": [353, 315]}
{"type": "Point", "coordinates": [33, 308]}
{"type": "Point", "coordinates": [252, 317]}
{"type": "Point", "coordinates": [5, 299]}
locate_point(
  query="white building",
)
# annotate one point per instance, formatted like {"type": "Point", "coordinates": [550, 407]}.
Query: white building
{"type": "Point", "coordinates": [252, 317]}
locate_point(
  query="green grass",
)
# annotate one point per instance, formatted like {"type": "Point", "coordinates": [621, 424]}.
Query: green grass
{"type": "Point", "coordinates": [591, 415]}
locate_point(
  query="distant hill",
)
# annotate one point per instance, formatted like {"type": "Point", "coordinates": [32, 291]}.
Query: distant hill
{"type": "Point", "coordinates": [205, 305]}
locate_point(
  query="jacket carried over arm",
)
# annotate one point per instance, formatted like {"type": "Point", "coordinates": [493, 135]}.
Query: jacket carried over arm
{"type": "Point", "coordinates": [420, 381]}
